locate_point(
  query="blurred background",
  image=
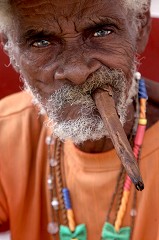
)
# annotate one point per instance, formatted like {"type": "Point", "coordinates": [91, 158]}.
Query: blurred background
{"type": "Point", "coordinates": [10, 83]}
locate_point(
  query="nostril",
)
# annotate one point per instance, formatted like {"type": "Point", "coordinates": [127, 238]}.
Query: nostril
{"type": "Point", "coordinates": [76, 73]}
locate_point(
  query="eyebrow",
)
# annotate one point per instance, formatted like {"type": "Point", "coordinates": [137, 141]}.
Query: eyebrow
{"type": "Point", "coordinates": [36, 34]}
{"type": "Point", "coordinates": [101, 21]}
{"type": "Point", "coordinates": [91, 24]}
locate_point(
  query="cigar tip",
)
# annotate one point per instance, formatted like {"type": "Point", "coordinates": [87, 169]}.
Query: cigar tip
{"type": "Point", "coordinates": [139, 186]}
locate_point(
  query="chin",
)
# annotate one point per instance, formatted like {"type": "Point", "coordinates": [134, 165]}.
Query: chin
{"type": "Point", "coordinates": [80, 130]}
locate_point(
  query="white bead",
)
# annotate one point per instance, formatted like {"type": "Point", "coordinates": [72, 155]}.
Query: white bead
{"type": "Point", "coordinates": [55, 203]}
{"type": "Point", "coordinates": [52, 228]}
{"type": "Point", "coordinates": [50, 182]}
{"type": "Point", "coordinates": [133, 212]}
{"type": "Point", "coordinates": [49, 140]}
{"type": "Point", "coordinates": [53, 162]}
{"type": "Point", "coordinates": [137, 75]}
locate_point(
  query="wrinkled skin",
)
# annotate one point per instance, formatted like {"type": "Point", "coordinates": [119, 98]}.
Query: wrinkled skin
{"type": "Point", "coordinates": [68, 40]}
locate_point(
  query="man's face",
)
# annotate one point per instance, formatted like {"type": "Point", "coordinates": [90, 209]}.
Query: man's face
{"type": "Point", "coordinates": [59, 45]}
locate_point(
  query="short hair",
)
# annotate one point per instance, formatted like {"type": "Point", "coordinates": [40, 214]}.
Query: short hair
{"type": "Point", "coordinates": [137, 7]}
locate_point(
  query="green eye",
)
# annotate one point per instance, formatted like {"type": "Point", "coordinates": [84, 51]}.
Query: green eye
{"type": "Point", "coordinates": [41, 43]}
{"type": "Point", "coordinates": [102, 33]}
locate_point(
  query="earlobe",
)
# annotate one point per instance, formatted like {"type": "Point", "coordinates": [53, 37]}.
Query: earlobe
{"type": "Point", "coordinates": [144, 29]}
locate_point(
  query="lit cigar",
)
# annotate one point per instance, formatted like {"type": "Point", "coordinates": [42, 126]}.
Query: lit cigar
{"type": "Point", "coordinates": [106, 107]}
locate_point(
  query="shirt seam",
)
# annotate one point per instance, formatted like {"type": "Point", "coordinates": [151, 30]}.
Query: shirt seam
{"type": "Point", "coordinates": [17, 112]}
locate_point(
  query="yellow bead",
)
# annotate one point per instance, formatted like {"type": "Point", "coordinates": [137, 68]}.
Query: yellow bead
{"type": "Point", "coordinates": [142, 121]}
{"type": "Point", "coordinates": [71, 222]}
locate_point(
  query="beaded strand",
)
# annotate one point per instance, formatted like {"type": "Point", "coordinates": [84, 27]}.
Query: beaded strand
{"type": "Point", "coordinates": [136, 150]}
{"type": "Point", "coordinates": [60, 196]}
{"type": "Point", "coordinates": [70, 214]}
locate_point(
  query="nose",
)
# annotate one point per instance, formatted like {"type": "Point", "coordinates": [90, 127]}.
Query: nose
{"type": "Point", "coordinates": [76, 71]}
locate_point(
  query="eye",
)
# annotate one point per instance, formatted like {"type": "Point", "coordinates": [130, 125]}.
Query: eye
{"type": "Point", "coordinates": [102, 33]}
{"type": "Point", "coordinates": [41, 43]}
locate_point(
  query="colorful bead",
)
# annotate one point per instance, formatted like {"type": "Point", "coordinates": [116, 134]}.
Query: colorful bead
{"type": "Point", "coordinates": [142, 121]}
{"type": "Point", "coordinates": [70, 215]}
{"type": "Point", "coordinates": [142, 108]}
{"type": "Point", "coordinates": [122, 210]}
{"type": "Point", "coordinates": [71, 222]}
{"type": "Point", "coordinates": [142, 89]}
{"type": "Point", "coordinates": [66, 196]}
{"type": "Point", "coordinates": [127, 184]}
{"type": "Point", "coordinates": [140, 135]}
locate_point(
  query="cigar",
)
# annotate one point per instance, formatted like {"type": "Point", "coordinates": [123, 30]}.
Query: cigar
{"type": "Point", "coordinates": [106, 107]}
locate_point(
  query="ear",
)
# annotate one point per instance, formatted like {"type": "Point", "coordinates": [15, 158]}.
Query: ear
{"type": "Point", "coordinates": [4, 41]}
{"type": "Point", "coordinates": [144, 29]}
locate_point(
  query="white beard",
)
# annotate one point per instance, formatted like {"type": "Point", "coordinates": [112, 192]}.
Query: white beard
{"type": "Point", "coordinates": [87, 125]}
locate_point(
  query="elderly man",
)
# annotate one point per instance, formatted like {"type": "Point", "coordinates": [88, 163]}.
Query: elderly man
{"type": "Point", "coordinates": [64, 181]}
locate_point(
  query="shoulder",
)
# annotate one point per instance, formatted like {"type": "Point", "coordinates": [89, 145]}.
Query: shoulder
{"type": "Point", "coordinates": [15, 103]}
{"type": "Point", "coordinates": [151, 141]}
{"type": "Point", "coordinates": [19, 118]}
{"type": "Point", "coordinates": [153, 102]}
{"type": "Point", "coordinates": [152, 90]}
{"type": "Point", "coordinates": [149, 166]}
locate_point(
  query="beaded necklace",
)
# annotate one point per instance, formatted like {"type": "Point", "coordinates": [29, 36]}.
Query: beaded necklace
{"type": "Point", "coordinates": [60, 196]}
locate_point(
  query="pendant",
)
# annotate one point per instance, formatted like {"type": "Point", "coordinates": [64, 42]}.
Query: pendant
{"type": "Point", "coordinates": [80, 233]}
{"type": "Point", "coordinates": [109, 233]}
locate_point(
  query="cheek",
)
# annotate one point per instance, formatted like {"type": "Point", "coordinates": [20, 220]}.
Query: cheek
{"type": "Point", "coordinates": [34, 62]}
{"type": "Point", "coordinates": [36, 71]}
{"type": "Point", "coordinates": [28, 70]}
{"type": "Point", "coordinates": [33, 67]}
{"type": "Point", "coordinates": [117, 56]}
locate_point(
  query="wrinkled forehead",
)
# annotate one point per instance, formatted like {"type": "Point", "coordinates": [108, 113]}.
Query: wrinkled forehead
{"type": "Point", "coordinates": [62, 14]}
{"type": "Point", "coordinates": [68, 8]}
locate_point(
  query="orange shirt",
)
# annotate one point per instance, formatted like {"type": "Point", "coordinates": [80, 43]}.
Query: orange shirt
{"type": "Point", "coordinates": [91, 178]}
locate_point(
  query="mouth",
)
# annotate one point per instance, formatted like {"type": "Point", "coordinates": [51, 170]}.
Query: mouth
{"type": "Point", "coordinates": [106, 107]}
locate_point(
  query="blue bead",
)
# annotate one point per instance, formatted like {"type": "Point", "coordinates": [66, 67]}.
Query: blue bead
{"type": "Point", "coordinates": [66, 196]}
{"type": "Point", "coordinates": [142, 89]}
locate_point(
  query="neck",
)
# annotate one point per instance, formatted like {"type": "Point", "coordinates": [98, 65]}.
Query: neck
{"type": "Point", "coordinates": [101, 145]}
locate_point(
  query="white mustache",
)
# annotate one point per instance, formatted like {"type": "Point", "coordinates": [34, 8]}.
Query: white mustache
{"type": "Point", "coordinates": [87, 123]}
{"type": "Point", "coordinates": [81, 94]}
